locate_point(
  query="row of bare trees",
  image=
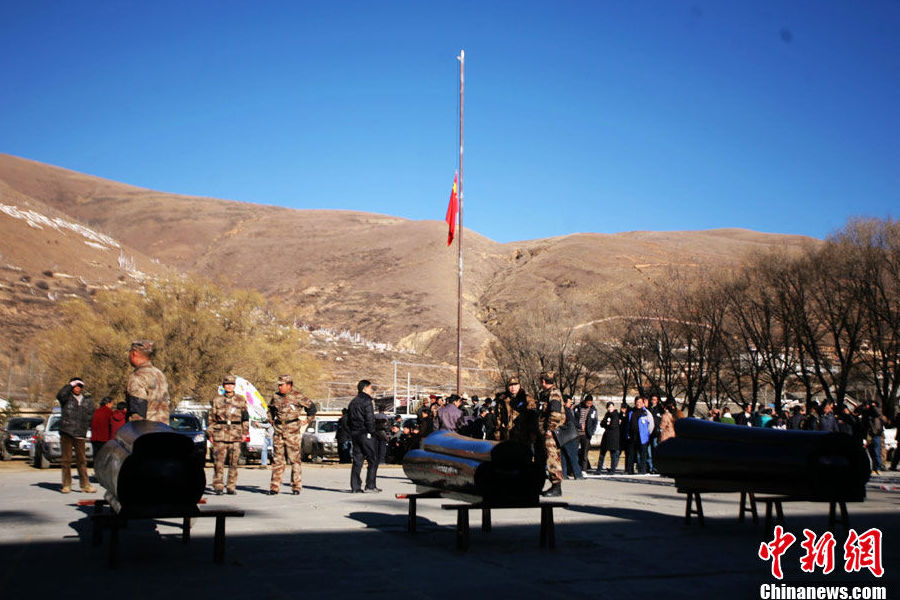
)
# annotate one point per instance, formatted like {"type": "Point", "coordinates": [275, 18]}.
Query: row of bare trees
{"type": "Point", "coordinates": [823, 322]}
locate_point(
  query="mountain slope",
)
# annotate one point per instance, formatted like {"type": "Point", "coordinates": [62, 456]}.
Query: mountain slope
{"type": "Point", "coordinates": [389, 279]}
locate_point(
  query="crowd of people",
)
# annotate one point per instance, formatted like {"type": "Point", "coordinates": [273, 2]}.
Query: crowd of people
{"type": "Point", "coordinates": [864, 421]}
{"type": "Point", "coordinates": [558, 431]}
{"type": "Point", "coordinates": [631, 432]}
{"type": "Point", "coordinates": [147, 398]}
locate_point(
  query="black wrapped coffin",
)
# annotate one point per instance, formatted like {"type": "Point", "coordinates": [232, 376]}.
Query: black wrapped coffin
{"type": "Point", "coordinates": [812, 465]}
{"type": "Point", "coordinates": [148, 469]}
{"type": "Point", "coordinates": [498, 473]}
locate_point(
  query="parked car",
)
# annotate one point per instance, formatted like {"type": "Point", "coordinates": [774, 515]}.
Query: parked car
{"type": "Point", "coordinates": [46, 448]}
{"type": "Point", "coordinates": [16, 436]}
{"type": "Point", "coordinates": [252, 448]}
{"type": "Point", "coordinates": [318, 441]}
{"type": "Point", "coordinates": [190, 426]}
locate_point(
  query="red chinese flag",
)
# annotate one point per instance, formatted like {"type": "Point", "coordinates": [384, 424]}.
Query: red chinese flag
{"type": "Point", "coordinates": [452, 209]}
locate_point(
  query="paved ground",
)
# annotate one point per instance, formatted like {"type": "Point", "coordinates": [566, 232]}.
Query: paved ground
{"type": "Point", "coordinates": [620, 538]}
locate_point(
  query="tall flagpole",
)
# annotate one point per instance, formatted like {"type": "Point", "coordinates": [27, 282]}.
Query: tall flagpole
{"type": "Point", "coordinates": [459, 310]}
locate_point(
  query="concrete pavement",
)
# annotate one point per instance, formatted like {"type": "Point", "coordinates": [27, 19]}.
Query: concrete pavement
{"type": "Point", "coordinates": [620, 537]}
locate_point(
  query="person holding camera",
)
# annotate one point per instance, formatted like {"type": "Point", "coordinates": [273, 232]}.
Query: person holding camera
{"type": "Point", "coordinates": [77, 411]}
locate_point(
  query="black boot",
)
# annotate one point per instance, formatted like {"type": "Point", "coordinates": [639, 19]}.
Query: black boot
{"type": "Point", "coordinates": [553, 491]}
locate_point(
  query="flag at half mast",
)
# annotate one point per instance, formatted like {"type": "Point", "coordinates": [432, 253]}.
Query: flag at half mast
{"type": "Point", "coordinates": [452, 210]}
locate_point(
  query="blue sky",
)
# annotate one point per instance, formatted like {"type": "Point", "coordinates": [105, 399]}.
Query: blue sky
{"type": "Point", "coordinates": [778, 116]}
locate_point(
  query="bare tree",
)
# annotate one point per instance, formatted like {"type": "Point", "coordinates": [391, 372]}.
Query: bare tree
{"type": "Point", "coordinates": [610, 351]}
{"type": "Point", "coordinates": [540, 338]}
{"type": "Point", "coordinates": [828, 316]}
{"type": "Point", "coordinates": [700, 317]}
{"type": "Point", "coordinates": [761, 312]}
{"type": "Point", "coordinates": [875, 246]}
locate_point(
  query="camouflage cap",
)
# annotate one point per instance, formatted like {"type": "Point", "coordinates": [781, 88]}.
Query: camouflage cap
{"type": "Point", "coordinates": [145, 346]}
{"type": "Point", "coordinates": [229, 379]}
{"type": "Point", "coordinates": [285, 379]}
{"type": "Point", "coordinates": [512, 381]}
{"type": "Point", "coordinates": [548, 376]}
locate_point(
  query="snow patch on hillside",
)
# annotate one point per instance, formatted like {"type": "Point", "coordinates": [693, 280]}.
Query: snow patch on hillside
{"type": "Point", "coordinates": [36, 220]}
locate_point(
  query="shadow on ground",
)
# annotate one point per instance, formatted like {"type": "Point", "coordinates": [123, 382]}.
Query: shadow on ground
{"type": "Point", "coordinates": [615, 552]}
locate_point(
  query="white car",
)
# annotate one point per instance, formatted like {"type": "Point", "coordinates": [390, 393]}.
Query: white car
{"type": "Point", "coordinates": [319, 439]}
{"type": "Point", "coordinates": [251, 448]}
{"type": "Point", "coordinates": [47, 450]}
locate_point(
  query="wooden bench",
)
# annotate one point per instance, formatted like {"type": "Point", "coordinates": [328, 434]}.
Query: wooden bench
{"type": "Point", "coordinates": [694, 506]}
{"type": "Point", "coordinates": [693, 497]}
{"type": "Point", "coordinates": [548, 530]}
{"type": "Point", "coordinates": [411, 519]}
{"type": "Point", "coordinates": [114, 521]}
{"type": "Point", "coordinates": [776, 501]}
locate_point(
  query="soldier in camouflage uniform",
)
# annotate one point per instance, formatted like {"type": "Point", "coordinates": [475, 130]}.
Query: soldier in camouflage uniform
{"type": "Point", "coordinates": [551, 416]}
{"type": "Point", "coordinates": [147, 392]}
{"type": "Point", "coordinates": [286, 412]}
{"type": "Point", "coordinates": [229, 425]}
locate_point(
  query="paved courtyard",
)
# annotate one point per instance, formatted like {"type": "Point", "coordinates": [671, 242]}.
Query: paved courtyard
{"type": "Point", "coordinates": [621, 537]}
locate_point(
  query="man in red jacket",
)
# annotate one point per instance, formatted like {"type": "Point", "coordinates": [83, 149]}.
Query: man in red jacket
{"type": "Point", "coordinates": [101, 425]}
{"type": "Point", "coordinates": [119, 417]}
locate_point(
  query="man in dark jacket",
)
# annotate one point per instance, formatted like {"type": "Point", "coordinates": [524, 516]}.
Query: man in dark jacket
{"type": "Point", "coordinates": [798, 416]}
{"type": "Point", "coordinates": [640, 428]}
{"type": "Point", "coordinates": [521, 415]}
{"type": "Point", "coordinates": [625, 437]}
{"type": "Point", "coordinates": [449, 415]}
{"type": "Point", "coordinates": [656, 410]}
{"type": "Point", "coordinates": [567, 439]}
{"type": "Point", "coordinates": [77, 411]}
{"type": "Point", "coordinates": [343, 438]}
{"type": "Point", "coordinates": [610, 441]}
{"type": "Point", "coordinates": [812, 417]}
{"type": "Point", "coordinates": [425, 421]}
{"type": "Point", "coordinates": [488, 422]}
{"type": "Point", "coordinates": [827, 422]}
{"type": "Point", "coordinates": [382, 435]}
{"type": "Point", "coordinates": [745, 417]}
{"type": "Point", "coordinates": [586, 421]}
{"type": "Point", "coordinates": [361, 417]}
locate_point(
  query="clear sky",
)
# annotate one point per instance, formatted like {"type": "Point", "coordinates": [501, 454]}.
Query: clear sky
{"type": "Point", "coordinates": [595, 116]}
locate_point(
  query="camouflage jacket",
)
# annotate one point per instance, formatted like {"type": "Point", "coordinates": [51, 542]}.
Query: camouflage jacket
{"type": "Point", "coordinates": [551, 413]}
{"type": "Point", "coordinates": [287, 412]}
{"type": "Point", "coordinates": [228, 418]}
{"type": "Point", "coordinates": [147, 394]}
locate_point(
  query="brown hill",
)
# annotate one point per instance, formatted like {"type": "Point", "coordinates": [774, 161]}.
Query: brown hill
{"type": "Point", "coordinates": [47, 256]}
{"type": "Point", "coordinates": [389, 279]}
